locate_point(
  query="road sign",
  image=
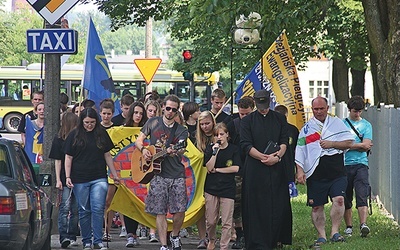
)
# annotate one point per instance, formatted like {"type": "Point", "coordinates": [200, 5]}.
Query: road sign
{"type": "Point", "coordinates": [148, 67]}
{"type": "Point", "coordinates": [57, 41]}
{"type": "Point", "coordinates": [52, 10]}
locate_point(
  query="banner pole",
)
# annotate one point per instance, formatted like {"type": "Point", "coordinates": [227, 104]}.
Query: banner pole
{"type": "Point", "coordinates": [226, 103]}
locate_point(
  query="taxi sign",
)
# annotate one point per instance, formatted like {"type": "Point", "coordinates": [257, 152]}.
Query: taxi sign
{"type": "Point", "coordinates": [148, 67]}
{"type": "Point", "coordinates": [52, 10]}
{"type": "Point", "coordinates": [61, 41]}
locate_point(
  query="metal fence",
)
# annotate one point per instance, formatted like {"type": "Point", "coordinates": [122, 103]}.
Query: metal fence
{"type": "Point", "coordinates": [384, 162]}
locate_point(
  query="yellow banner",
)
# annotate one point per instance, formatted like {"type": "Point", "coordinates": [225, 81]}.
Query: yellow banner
{"type": "Point", "coordinates": [280, 69]}
{"type": "Point", "coordinates": [130, 196]}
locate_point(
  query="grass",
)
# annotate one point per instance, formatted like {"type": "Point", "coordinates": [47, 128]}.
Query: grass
{"type": "Point", "coordinates": [385, 233]}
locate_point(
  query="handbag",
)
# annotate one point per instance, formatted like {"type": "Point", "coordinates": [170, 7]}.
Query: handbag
{"type": "Point", "coordinates": [271, 148]}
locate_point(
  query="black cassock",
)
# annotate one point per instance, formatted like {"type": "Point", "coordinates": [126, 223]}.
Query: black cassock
{"type": "Point", "coordinates": [266, 209]}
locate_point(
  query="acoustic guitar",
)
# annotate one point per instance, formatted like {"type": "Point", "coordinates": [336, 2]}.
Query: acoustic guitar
{"type": "Point", "coordinates": [143, 170]}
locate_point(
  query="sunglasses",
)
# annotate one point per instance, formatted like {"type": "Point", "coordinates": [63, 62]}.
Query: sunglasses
{"type": "Point", "coordinates": [173, 109]}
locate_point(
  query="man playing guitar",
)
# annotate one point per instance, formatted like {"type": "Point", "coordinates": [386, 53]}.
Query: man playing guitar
{"type": "Point", "coordinates": [167, 192]}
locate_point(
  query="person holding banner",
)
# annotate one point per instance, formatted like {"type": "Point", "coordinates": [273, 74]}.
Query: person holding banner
{"type": "Point", "coordinates": [218, 98]}
{"type": "Point", "coordinates": [167, 192]}
{"type": "Point", "coordinates": [267, 214]}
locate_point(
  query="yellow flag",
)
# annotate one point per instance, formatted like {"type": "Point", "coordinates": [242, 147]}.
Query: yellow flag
{"type": "Point", "coordinates": [130, 196]}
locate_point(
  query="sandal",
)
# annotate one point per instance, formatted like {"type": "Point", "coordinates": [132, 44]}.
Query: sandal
{"type": "Point", "coordinates": [318, 243]}
{"type": "Point", "coordinates": [337, 238]}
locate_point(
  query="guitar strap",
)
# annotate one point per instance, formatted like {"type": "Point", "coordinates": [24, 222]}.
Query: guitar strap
{"type": "Point", "coordinates": [172, 135]}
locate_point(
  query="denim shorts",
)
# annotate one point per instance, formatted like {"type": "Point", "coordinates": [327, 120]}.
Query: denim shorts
{"type": "Point", "coordinates": [357, 178]}
{"type": "Point", "coordinates": [318, 191]}
{"type": "Point", "coordinates": [166, 195]}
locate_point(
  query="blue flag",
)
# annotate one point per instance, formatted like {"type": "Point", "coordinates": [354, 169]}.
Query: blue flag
{"type": "Point", "coordinates": [254, 81]}
{"type": "Point", "coordinates": [97, 79]}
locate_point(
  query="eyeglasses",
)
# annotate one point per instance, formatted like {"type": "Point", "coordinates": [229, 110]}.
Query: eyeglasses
{"type": "Point", "coordinates": [170, 108]}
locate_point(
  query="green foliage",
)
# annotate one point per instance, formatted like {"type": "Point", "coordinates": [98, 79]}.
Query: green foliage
{"type": "Point", "coordinates": [346, 35]}
{"type": "Point", "coordinates": [13, 27]}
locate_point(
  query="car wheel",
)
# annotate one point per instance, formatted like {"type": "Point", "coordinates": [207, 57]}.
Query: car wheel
{"type": "Point", "coordinates": [11, 122]}
{"type": "Point", "coordinates": [29, 238]}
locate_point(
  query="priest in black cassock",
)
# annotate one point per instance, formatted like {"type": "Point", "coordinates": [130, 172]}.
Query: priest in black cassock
{"type": "Point", "coordinates": [267, 213]}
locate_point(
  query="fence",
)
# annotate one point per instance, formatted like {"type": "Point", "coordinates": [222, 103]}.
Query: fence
{"type": "Point", "coordinates": [384, 162]}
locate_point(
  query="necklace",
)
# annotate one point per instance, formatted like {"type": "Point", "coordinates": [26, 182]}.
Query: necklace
{"type": "Point", "coordinates": [168, 125]}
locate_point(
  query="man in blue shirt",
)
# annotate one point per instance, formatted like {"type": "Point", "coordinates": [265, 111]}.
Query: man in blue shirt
{"type": "Point", "coordinates": [356, 162]}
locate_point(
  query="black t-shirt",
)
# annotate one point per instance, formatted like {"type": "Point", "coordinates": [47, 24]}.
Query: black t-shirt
{"type": "Point", "coordinates": [192, 132]}
{"type": "Point", "coordinates": [172, 166]}
{"type": "Point", "coordinates": [118, 120]}
{"type": "Point", "coordinates": [57, 153]}
{"type": "Point", "coordinates": [330, 167]}
{"type": "Point", "coordinates": [219, 184]}
{"type": "Point", "coordinates": [22, 122]}
{"type": "Point", "coordinates": [221, 117]}
{"type": "Point", "coordinates": [88, 161]}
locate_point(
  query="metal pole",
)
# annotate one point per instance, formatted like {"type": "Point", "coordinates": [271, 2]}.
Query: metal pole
{"type": "Point", "coordinates": [148, 53]}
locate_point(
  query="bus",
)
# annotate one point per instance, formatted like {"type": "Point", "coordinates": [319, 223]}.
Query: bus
{"type": "Point", "coordinates": [18, 82]}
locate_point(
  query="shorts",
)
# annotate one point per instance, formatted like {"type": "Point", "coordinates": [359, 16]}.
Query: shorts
{"type": "Point", "coordinates": [318, 191]}
{"type": "Point", "coordinates": [237, 212]}
{"type": "Point", "coordinates": [166, 195]}
{"type": "Point", "coordinates": [357, 178]}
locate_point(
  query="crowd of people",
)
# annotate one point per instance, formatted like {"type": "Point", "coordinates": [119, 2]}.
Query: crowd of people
{"type": "Point", "coordinates": [251, 158]}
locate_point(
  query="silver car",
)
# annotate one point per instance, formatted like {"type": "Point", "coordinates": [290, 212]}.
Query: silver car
{"type": "Point", "coordinates": [25, 209]}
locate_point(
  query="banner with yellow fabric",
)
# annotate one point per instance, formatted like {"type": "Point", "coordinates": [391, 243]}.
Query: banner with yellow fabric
{"type": "Point", "coordinates": [130, 196]}
{"type": "Point", "coordinates": [277, 72]}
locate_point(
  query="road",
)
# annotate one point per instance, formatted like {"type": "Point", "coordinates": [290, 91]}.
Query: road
{"type": "Point", "coordinates": [119, 243]}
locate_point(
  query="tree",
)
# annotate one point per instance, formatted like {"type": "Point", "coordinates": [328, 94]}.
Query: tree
{"type": "Point", "coordinates": [13, 28]}
{"type": "Point", "coordinates": [383, 24]}
{"type": "Point", "coordinates": [345, 41]}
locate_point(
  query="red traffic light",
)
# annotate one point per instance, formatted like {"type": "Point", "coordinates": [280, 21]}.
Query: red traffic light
{"type": "Point", "coordinates": [187, 56]}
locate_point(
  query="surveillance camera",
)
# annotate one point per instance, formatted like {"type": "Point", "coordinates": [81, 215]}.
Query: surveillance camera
{"type": "Point", "coordinates": [246, 36]}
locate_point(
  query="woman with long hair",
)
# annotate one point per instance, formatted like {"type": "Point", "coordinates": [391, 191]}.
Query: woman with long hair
{"type": "Point", "coordinates": [87, 155]}
{"type": "Point", "coordinates": [68, 208]}
{"type": "Point", "coordinates": [222, 162]}
{"type": "Point", "coordinates": [204, 132]}
{"type": "Point", "coordinates": [136, 115]}
{"type": "Point", "coordinates": [191, 112]}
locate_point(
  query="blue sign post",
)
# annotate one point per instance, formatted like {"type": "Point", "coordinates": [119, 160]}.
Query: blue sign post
{"type": "Point", "coordinates": [56, 41]}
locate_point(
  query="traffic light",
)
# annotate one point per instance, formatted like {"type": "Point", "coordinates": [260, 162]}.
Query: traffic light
{"type": "Point", "coordinates": [188, 76]}
{"type": "Point", "coordinates": [187, 56]}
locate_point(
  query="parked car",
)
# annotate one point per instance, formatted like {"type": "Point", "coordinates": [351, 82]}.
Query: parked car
{"type": "Point", "coordinates": [25, 209]}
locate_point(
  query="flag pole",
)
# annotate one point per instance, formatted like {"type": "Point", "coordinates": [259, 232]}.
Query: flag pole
{"type": "Point", "coordinates": [84, 68]}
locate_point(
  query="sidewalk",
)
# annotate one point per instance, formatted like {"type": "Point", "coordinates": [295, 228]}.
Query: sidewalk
{"type": "Point", "coordinates": [119, 243]}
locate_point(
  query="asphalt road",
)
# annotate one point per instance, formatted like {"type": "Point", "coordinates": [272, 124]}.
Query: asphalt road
{"type": "Point", "coordinates": [119, 243]}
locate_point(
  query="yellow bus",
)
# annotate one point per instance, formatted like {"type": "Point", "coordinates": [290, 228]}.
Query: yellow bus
{"type": "Point", "coordinates": [18, 82]}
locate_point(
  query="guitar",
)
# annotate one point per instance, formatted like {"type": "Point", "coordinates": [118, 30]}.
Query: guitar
{"type": "Point", "coordinates": [143, 170]}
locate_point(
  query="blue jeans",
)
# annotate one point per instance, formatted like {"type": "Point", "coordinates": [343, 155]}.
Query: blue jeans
{"type": "Point", "coordinates": [91, 197]}
{"type": "Point", "coordinates": [68, 215]}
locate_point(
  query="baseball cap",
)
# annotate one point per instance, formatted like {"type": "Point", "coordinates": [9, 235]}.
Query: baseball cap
{"type": "Point", "coordinates": [262, 98]}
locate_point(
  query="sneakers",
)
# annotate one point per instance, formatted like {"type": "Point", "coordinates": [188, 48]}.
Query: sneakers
{"type": "Point", "coordinates": [348, 231]}
{"type": "Point", "coordinates": [164, 248]}
{"type": "Point", "coordinates": [364, 229]}
{"type": "Point", "coordinates": [99, 246]}
{"type": "Point", "coordinates": [132, 242]}
{"type": "Point", "coordinates": [175, 242]}
{"type": "Point", "coordinates": [106, 237]}
{"type": "Point", "coordinates": [202, 244]}
{"type": "Point", "coordinates": [123, 232]}
{"type": "Point", "coordinates": [143, 233]}
{"type": "Point", "coordinates": [87, 246]}
{"type": "Point", "coordinates": [65, 243]}
{"type": "Point", "coordinates": [153, 238]}
{"type": "Point", "coordinates": [74, 243]}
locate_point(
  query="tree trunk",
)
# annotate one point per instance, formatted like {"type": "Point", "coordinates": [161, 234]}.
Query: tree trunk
{"type": "Point", "coordinates": [383, 24]}
{"type": "Point", "coordinates": [358, 82]}
{"type": "Point", "coordinates": [340, 79]}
